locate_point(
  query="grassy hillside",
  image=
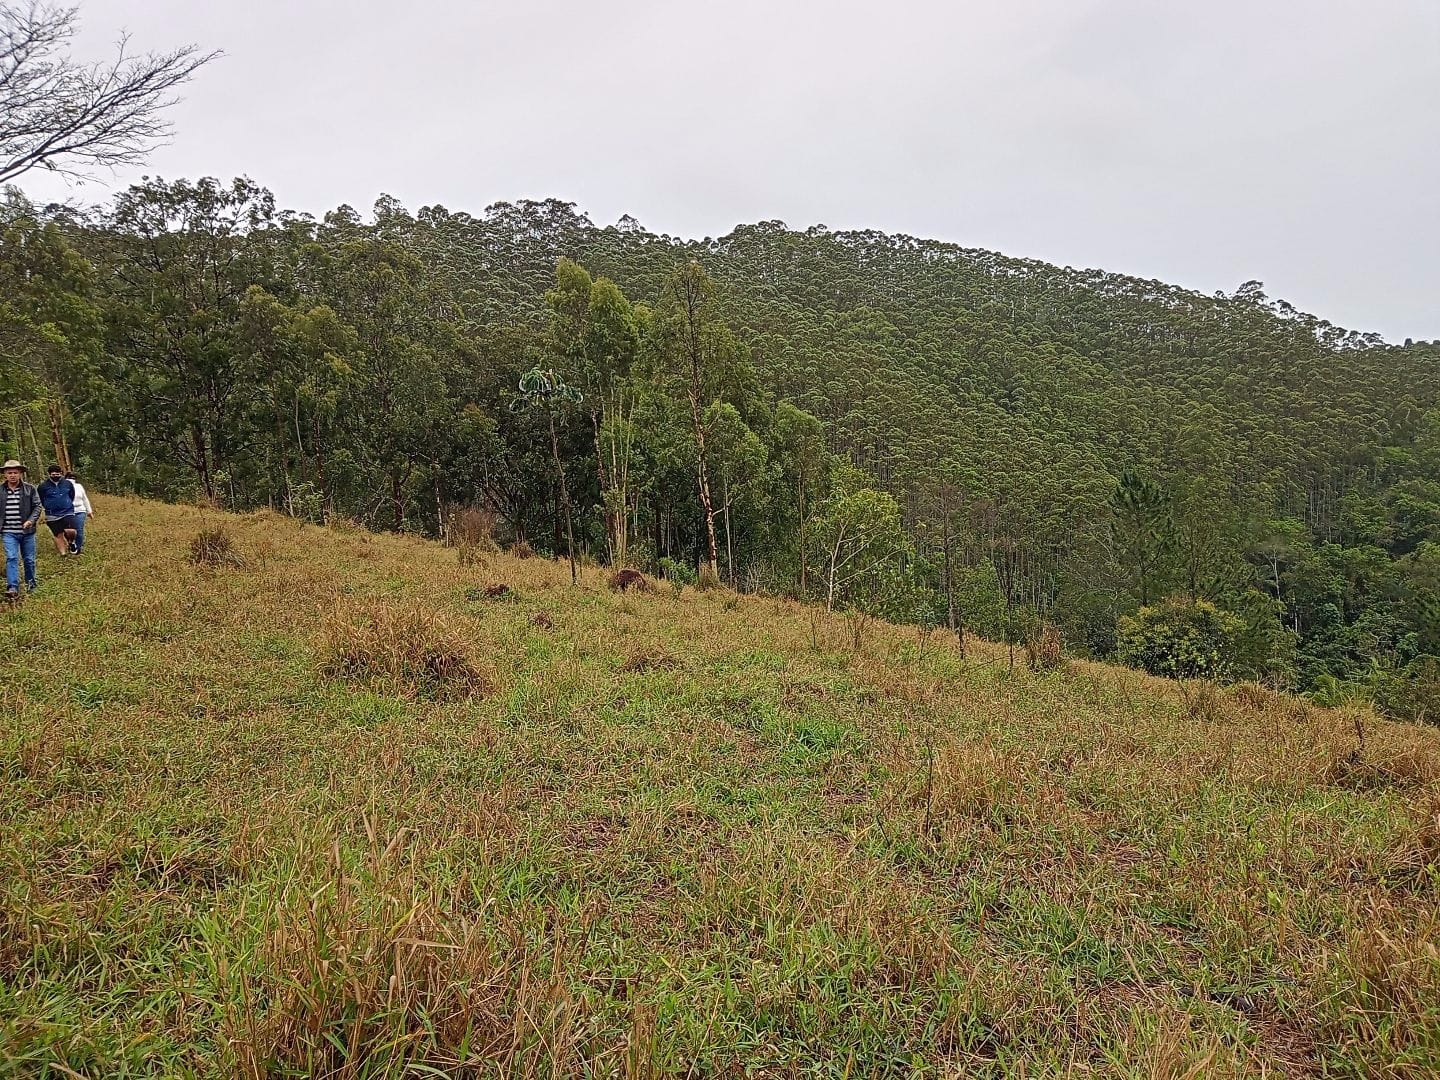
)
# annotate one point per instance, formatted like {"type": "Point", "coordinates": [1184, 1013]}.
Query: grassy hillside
{"type": "Point", "coordinates": [335, 811]}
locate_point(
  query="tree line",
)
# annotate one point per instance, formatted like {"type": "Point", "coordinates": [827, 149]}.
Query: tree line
{"type": "Point", "coordinates": [1197, 484]}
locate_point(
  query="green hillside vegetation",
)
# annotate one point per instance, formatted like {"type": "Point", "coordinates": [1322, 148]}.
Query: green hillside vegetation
{"type": "Point", "coordinates": [282, 799]}
{"type": "Point", "coordinates": [880, 423]}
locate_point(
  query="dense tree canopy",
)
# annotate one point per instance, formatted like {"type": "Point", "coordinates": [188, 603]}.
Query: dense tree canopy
{"type": "Point", "coordinates": [899, 425]}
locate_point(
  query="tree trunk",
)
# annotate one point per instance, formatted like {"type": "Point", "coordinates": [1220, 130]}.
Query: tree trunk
{"type": "Point", "coordinates": [34, 442]}
{"type": "Point", "coordinates": [950, 619]}
{"type": "Point", "coordinates": [56, 411]}
{"type": "Point", "coordinates": [804, 554]}
{"type": "Point", "coordinates": [440, 524]}
{"type": "Point", "coordinates": [606, 508]}
{"type": "Point", "coordinates": [702, 473]}
{"type": "Point", "coordinates": [621, 517]}
{"type": "Point", "coordinates": [202, 462]}
{"type": "Point", "coordinates": [729, 545]}
{"type": "Point", "coordinates": [320, 468]}
{"type": "Point", "coordinates": [1193, 570]}
{"type": "Point", "coordinates": [834, 567]}
{"type": "Point", "coordinates": [564, 497]}
{"type": "Point", "coordinates": [693, 302]}
{"type": "Point", "coordinates": [284, 465]}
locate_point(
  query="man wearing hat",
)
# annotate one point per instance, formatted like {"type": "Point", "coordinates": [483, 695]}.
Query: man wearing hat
{"type": "Point", "coordinates": [19, 514]}
{"type": "Point", "coordinates": [57, 495]}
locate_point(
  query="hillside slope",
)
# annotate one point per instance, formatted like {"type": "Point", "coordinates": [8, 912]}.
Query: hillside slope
{"type": "Point", "coordinates": [665, 834]}
{"type": "Point", "coordinates": [1042, 443]}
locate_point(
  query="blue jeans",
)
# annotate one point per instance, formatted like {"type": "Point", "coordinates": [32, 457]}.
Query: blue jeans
{"type": "Point", "coordinates": [79, 531]}
{"type": "Point", "coordinates": [18, 545]}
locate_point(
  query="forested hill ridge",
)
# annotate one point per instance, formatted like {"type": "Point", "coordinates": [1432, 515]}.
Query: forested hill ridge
{"type": "Point", "coordinates": [1217, 485]}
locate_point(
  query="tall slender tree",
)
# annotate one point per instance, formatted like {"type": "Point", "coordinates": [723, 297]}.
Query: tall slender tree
{"type": "Point", "coordinates": [545, 390]}
{"type": "Point", "coordinates": [697, 350]}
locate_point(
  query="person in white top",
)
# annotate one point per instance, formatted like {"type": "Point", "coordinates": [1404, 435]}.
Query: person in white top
{"type": "Point", "coordinates": [83, 511]}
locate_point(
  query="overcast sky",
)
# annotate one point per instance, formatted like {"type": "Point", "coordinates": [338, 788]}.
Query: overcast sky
{"type": "Point", "coordinates": [1294, 141]}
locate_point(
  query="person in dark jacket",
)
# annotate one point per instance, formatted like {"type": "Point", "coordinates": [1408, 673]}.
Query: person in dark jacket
{"type": "Point", "coordinates": [57, 495]}
{"type": "Point", "coordinates": [19, 514]}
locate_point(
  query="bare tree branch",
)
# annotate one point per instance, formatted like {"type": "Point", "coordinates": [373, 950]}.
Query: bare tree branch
{"type": "Point", "coordinates": [68, 117]}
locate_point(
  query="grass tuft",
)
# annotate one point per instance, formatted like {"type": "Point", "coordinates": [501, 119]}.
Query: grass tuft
{"type": "Point", "coordinates": [347, 526]}
{"type": "Point", "coordinates": [1203, 700]}
{"type": "Point", "coordinates": [1043, 648]}
{"type": "Point", "coordinates": [625, 579]}
{"type": "Point", "coordinates": [650, 659]}
{"type": "Point", "coordinates": [402, 648]}
{"type": "Point", "coordinates": [213, 546]}
{"type": "Point", "coordinates": [1416, 859]}
{"type": "Point", "coordinates": [471, 532]}
{"type": "Point", "coordinates": [1367, 764]}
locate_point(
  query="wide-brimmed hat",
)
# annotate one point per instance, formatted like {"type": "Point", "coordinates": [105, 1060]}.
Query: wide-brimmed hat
{"type": "Point", "coordinates": [13, 464]}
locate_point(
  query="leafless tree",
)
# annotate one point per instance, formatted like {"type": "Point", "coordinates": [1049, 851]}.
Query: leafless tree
{"type": "Point", "coordinates": [59, 114]}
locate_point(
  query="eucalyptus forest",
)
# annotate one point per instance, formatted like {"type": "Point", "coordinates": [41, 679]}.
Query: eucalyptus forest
{"type": "Point", "coordinates": [1199, 485]}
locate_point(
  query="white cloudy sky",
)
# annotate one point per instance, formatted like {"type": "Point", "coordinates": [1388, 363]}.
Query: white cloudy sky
{"type": "Point", "coordinates": [1294, 141]}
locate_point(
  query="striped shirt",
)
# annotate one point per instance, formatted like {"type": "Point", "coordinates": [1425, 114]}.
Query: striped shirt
{"type": "Point", "coordinates": [12, 521]}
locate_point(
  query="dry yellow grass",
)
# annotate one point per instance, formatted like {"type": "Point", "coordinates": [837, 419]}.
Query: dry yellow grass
{"type": "Point", "coordinates": [404, 648]}
{"type": "Point", "coordinates": [691, 834]}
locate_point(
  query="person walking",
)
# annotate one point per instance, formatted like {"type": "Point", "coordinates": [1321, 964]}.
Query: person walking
{"type": "Point", "coordinates": [19, 514]}
{"type": "Point", "coordinates": [83, 511]}
{"type": "Point", "coordinates": [57, 495]}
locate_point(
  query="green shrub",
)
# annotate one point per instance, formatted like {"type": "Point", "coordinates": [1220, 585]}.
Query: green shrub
{"type": "Point", "coordinates": [677, 573]}
{"type": "Point", "coordinates": [1412, 694]}
{"type": "Point", "coordinates": [1180, 639]}
{"type": "Point", "coordinates": [1089, 624]}
{"type": "Point", "coordinates": [1264, 647]}
{"type": "Point", "coordinates": [1330, 692]}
